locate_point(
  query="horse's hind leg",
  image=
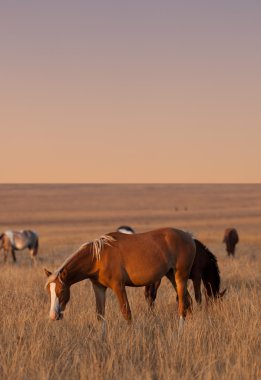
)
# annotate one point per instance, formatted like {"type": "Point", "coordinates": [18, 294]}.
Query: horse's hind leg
{"type": "Point", "coordinates": [13, 255]}
{"type": "Point", "coordinates": [171, 277]}
{"type": "Point", "coordinates": [179, 283]}
{"type": "Point", "coordinates": [229, 249]}
{"type": "Point", "coordinates": [121, 294]}
{"type": "Point", "coordinates": [33, 253]}
{"type": "Point", "coordinates": [185, 300]}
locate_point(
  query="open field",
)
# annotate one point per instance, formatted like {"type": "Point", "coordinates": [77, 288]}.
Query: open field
{"type": "Point", "coordinates": [222, 342]}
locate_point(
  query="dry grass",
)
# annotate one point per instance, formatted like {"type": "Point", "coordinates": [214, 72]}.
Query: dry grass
{"type": "Point", "coordinates": [221, 342]}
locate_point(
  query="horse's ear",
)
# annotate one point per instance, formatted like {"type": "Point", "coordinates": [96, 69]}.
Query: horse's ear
{"type": "Point", "coordinates": [47, 272]}
{"type": "Point", "coordinates": [222, 293]}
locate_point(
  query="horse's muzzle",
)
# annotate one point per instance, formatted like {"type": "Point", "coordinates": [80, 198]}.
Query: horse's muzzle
{"type": "Point", "coordinates": [56, 317]}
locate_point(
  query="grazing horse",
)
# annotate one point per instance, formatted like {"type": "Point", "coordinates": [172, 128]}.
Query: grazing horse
{"type": "Point", "coordinates": [12, 241]}
{"type": "Point", "coordinates": [231, 238]}
{"type": "Point", "coordinates": [205, 268]}
{"type": "Point", "coordinates": [126, 230]}
{"type": "Point", "coordinates": [117, 260]}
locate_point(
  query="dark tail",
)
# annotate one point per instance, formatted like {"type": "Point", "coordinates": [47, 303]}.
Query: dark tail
{"type": "Point", "coordinates": [211, 278]}
{"type": "Point", "coordinates": [210, 274]}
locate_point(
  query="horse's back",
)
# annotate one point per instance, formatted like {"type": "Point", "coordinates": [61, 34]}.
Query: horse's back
{"type": "Point", "coordinates": [164, 239]}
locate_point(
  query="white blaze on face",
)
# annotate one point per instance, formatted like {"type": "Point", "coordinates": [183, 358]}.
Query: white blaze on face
{"type": "Point", "coordinates": [54, 309]}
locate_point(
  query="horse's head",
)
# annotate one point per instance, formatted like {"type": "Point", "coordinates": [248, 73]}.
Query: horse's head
{"type": "Point", "coordinates": [59, 295]}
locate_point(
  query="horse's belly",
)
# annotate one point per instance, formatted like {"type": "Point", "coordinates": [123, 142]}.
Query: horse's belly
{"type": "Point", "coordinates": [20, 246]}
{"type": "Point", "coordinates": [145, 276]}
{"type": "Point", "coordinates": [20, 243]}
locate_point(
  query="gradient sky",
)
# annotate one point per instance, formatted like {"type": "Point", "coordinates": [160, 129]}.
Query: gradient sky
{"type": "Point", "coordinates": [130, 91]}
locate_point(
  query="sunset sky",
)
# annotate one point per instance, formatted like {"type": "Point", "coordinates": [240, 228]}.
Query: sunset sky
{"type": "Point", "coordinates": [130, 91]}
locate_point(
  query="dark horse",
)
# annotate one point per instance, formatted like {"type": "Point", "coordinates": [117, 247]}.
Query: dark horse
{"type": "Point", "coordinates": [205, 268]}
{"type": "Point", "coordinates": [231, 238]}
{"type": "Point", "coordinates": [12, 241]}
{"type": "Point", "coordinates": [118, 260]}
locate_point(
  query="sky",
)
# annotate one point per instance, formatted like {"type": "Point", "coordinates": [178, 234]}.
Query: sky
{"type": "Point", "coordinates": [130, 91]}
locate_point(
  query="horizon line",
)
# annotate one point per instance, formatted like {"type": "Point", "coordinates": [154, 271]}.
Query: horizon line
{"type": "Point", "coordinates": [130, 183]}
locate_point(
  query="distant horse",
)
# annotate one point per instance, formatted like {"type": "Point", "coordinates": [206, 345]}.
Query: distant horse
{"type": "Point", "coordinates": [231, 238]}
{"type": "Point", "coordinates": [117, 260]}
{"type": "Point", "coordinates": [12, 241]}
{"type": "Point", "coordinates": [126, 230]}
{"type": "Point", "coordinates": [205, 268]}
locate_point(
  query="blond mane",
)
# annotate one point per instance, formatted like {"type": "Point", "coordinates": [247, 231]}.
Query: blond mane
{"type": "Point", "coordinates": [97, 247]}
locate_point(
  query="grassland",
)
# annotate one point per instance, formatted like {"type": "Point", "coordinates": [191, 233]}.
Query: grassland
{"type": "Point", "coordinates": [221, 342]}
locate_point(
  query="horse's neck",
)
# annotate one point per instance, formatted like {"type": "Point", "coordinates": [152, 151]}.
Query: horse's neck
{"type": "Point", "coordinates": [78, 268]}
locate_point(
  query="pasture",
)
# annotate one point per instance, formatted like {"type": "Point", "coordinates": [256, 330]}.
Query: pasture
{"type": "Point", "coordinates": [221, 342]}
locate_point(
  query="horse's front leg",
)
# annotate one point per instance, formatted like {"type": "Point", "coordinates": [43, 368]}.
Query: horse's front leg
{"type": "Point", "coordinates": [151, 293]}
{"type": "Point", "coordinates": [5, 255]}
{"type": "Point", "coordinates": [121, 294]}
{"type": "Point", "coordinates": [100, 297]}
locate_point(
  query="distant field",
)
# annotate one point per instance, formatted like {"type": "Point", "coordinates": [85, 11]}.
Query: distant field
{"type": "Point", "coordinates": [222, 342]}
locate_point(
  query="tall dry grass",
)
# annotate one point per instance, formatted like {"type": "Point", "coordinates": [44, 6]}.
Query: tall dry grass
{"type": "Point", "coordinates": [221, 342]}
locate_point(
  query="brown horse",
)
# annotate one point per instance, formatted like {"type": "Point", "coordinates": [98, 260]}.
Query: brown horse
{"type": "Point", "coordinates": [205, 268]}
{"type": "Point", "coordinates": [12, 241]}
{"type": "Point", "coordinates": [117, 260]}
{"type": "Point", "coordinates": [231, 238]}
